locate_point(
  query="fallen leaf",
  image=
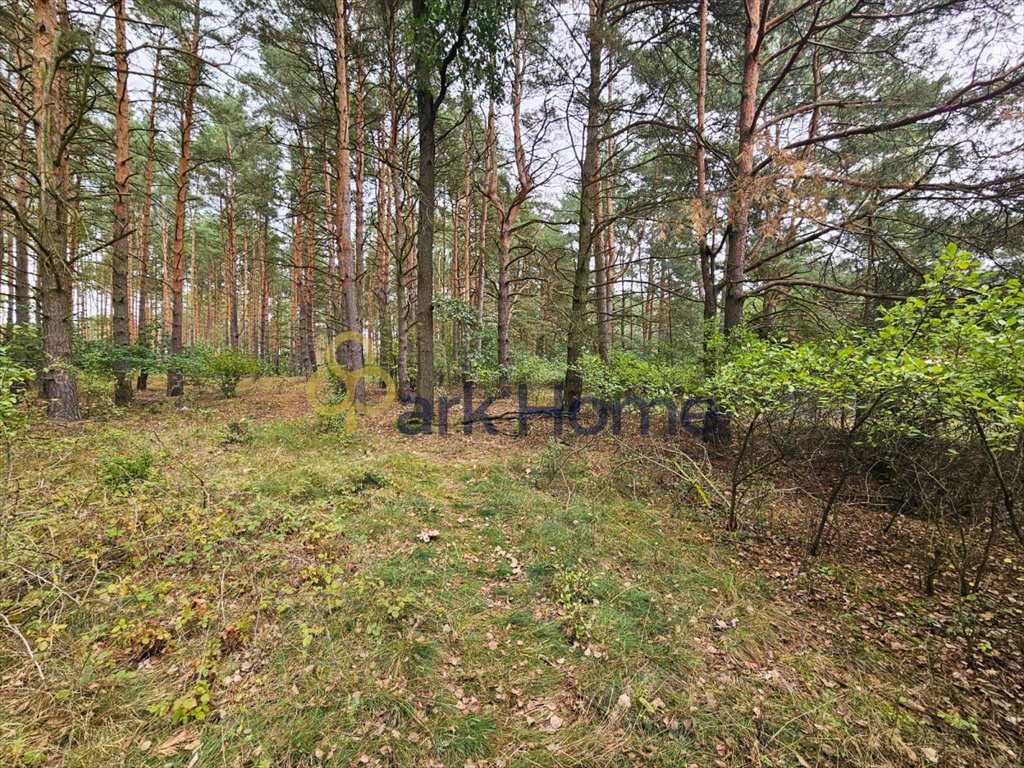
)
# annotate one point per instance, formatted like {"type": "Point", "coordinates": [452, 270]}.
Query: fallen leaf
{"type": "Point", "coordinates": [184, 739]}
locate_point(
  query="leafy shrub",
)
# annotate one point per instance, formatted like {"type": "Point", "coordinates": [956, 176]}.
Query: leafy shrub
{"type": "Point", "coordinates": [194, 705]}
{"type": "Point", "coordinates": [141, 639]}
{"type": "Point", "coordinates": [535, 371]}
{"type": "Point", "coordinates": [97, 363]}
{"type": "Point", "coordinates": [194, 363]}
{"type": "Point", "coordinates": [930, 399]}
{"type": "Point", "coordinates": [121, 474]}
{"type": "Point", "coordinates": [13, 379]}
{"type": "Point", "coordinates": [369, 480]}
{"type": "Point", "coordinates": [229, 366]}
{"type": "Point", "coordinates": [758, 376]}
{"type": "Point", "coordinates": [939, 360]}
{"type": "Point", "coordinates": [573, 593]}
{"type": "Point", "coordinates": [550, 461]}
{"type": "Point", "coordinates": [102, 358]}
{"type": "Point", "coordinates": [237, 433]}
{"type": "Point", "coordinates": [462, 315]}
{"type": "Point", "coordinates": [23, 345]}
{"type": "Point", "coordinates": [625, 375]}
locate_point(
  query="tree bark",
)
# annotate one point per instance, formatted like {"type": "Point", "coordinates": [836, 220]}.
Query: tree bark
{"type": "Point", "coordinates": [491, 183]}
{"type": "Point", "coordinates": [231, 254]}
{"type": "Point", "coordinates": [190, 48]}
{"type": "Point", "coordinates": [165, 284]}
{"type": "Point", "coordinates": [463, 286]}
{"type": "Point", "coordinates": [264, 345]}
{"type": "Point", "coordinates": [573, 386]}
{"type": "Point", "coordinates": [382, 262]}
{"type": "Point", "coordinates": [308, 319]}
{"type": "Point", "coordinates": [401, 306]}
{"type": "Point", "coordinates": [507, 214]}
{"type": "Point", "coordinates": [121, 257]}
{"type": "Point", "coordinates": [146, 243]}
{"type": "Point", "coordinates": [50, 88]}
{"type": "Point", "coordinates": [427, 106]}
{"type": "Point", "coordinates": [426, 117]}
{"type": "Point", "coordinates": [743, 176]}
{"type": "Point", "coordinates": [301, 345]}
{"type": "Point", "coordinates": [296, 347]}
{"type": "Point", "coordinates": [22, 289]}
{"type": "Point", "coordinates": [709, 290]}
{"type": "Point", "coordinates": [350, 352]}
{"type": "Point", "coordinates": [360, 175]}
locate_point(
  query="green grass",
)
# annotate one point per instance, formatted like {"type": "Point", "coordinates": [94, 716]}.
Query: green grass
{"type": "Point", "coordinates": [410, 602]}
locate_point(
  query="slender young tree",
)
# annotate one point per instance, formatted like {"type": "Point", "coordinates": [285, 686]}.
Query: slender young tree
{"type": "Point", "coordinates": [22, 289]}
{"type": "Point", "coordinates": [145, 241]}
{"type": "Point", "coordinates": [508, 211]}
{"type": "Point", "coordinates": [709, 292]}
{"type": "Point", "coordinates": [573, 387]}
{"type": "Point", "coordinates": [397, 201]}
{"type": "Point", "coordinates": [427, 105]}
{"type": "Point", "coordinates": [351, 353]}
{"type": "Point", "coordinates": [190, 50]}
{"type": "Point", "coordinates": [743, 173]}
{"type": "Point", "coordinates": [121, 256]}
{"type": "Point", "coordinates": [231, 242]}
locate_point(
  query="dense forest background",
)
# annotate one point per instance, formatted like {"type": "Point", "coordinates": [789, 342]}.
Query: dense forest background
{"type": "Point", "coordinates": [248, 249]}
{"type": "Point", "coordinates": [496, 191]}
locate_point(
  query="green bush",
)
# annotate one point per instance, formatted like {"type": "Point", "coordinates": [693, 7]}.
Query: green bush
{"type": "Point", "coordinates": [951, 355]}
{"type": "Point", "coordinates": [96, 362]}
{"type": "Point", "coordinates": [237, 433]}
{"type": "Point", "coordinates": [200, 364]}
{"type": "Point", "coordinates": [194, 363]}
{"type": "Point", "coordinates": [101, 358]}
{"type": "Point", "coordinates": [929, 399]}
{"type": "Point", "coordinates": [121, 474]}
{"type": "Point", "coordinates": [229, 366]}
{"type": "Point", "coordinates": [534, 370]}
{"type": "Point", "coordinates": [13, 379]}
{"type": "Point", "coordinates": [625, 375]}
{"type": "Point", "coordinates": [23, 345]}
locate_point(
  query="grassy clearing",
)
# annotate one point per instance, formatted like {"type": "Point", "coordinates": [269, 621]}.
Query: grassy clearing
{"type": "Point", "coordinates": [230, 585]}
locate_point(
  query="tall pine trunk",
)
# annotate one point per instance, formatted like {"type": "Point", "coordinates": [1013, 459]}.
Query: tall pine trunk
{"type": "Point", "coordinates": [743, 176]}
{"type": "Point", "coordinates": [401, 303]}
{"type": "Point", "coordinates": [231, 253]}
{"type": "Point", "coordinates": [426, 118]}
{"type": "Point", "coordinates": [351, 351]}
{"type": "Point", "coordinates": [382, 262]}
{"type": "Point", "coordinates": [50, 89]}
{"type": "Point", "coordinates": [146, 244]}
{"type": "Point", "coordinates": [121, 258]}
{"type": "Point", "coordinates": [175, 376]}
{"type": "Point", "coordinates": [360, 175]}
{"type": "Point", "coordinates": [490, 182]}
{"type": "Point", "coordinates": [573, 388]}
{"type": "Point", "coordinates": [509, 212]}
{"type": "Point", "coordinates": [709, 290]}
{"type": "Point", "coordinates": [264, 290]}
{"type": "Point", "coordinates": [22, 289]}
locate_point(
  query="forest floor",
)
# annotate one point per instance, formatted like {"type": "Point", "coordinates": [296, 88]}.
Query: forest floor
{"type": "Point", "coordinates": [277, 593]}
